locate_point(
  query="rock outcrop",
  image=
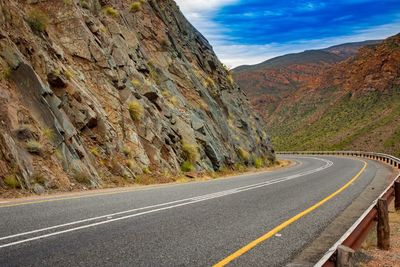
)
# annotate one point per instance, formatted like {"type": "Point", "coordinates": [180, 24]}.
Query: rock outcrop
{"type": "Point", "coordinates": [91, 90]}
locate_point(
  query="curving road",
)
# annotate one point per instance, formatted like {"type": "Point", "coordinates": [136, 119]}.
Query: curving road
{"type": "Point", "coordinates": [192, 224]}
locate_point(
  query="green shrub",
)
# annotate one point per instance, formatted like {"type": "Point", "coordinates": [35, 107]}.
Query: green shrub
{"type": "Point", "coordinates": [190, 151]}
{"type": "Point", "coordinates": [136, 110]}
{"type": "Point", "coordinates": [187, 166]}
{"type": "Point", "coordinates": [136, 83]}
{"type": "Point", "coordinates": [5, 74]}
{"type": "Point", "coordinates": [95, 151]}
{"type": "Point", "coordinates": [146, 170]}
{"type": "Point", "coordinates": [34, 147]}
{"type": "Point", "coordinates": [258, 163]}
{"type": "Point", "coordinates": [111, 11]}
{"type": "Point", "coordinates": [82, 177]}
{"type": "Point", "coordinates": [37, 20]}
{"type": "Point", "coordinates": [136, 6]}
{"type": "Point", "coordinates": [244, 154]}
{"type": "Point", "coordinates": [11, 181]}
{"type": "Point", "coordinates": [48, 133]}
{"type": "Point", "coordinates": [127, 151]}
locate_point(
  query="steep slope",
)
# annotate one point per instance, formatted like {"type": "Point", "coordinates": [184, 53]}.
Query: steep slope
{"type": "Point", "coordinates": [96, 92]}
{"type": "Point", "coordinates": [270, 81]}
{"type": "Point", "coordinates": [355, 104]}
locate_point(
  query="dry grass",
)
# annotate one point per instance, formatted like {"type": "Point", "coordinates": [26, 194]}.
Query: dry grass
{"type": "Point", "coordinates": [136, 6]}
{"type": "Point", "coordinates": [111, 11]}
{"type": "Point", "coordinates": [37, 19]}
{"type": "Point", "coordinates": [34, 147]}
{"type": "Point", "coordinates": [244, 154]}
{"type": "Point", "coordinates": [136, 110]}
{"type": "Point", "coordinates": [11, 181]}
{"type": "Point", "coordinates": [191, 152]}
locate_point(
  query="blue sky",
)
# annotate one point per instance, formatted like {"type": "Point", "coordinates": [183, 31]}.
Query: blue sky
{"type": "Point", "coordinates": [251, 31]}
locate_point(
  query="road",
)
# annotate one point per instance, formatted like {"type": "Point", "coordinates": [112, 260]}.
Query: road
{"type": "Point", "coordinates": [191, 224]}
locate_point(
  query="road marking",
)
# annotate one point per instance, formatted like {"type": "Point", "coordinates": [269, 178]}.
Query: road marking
{"type": "Point", "coordinates": [150, 187]}
{"type": "Point", "coordinates": [285, 224]}
{"type": "Point", "coordinates": [159, 207]}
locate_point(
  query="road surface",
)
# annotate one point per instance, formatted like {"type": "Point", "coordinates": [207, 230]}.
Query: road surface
{"type": "Point", "coordinates": [191, 224]}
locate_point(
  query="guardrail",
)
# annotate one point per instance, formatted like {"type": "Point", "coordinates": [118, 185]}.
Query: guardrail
{"type": "Point", "coordinates": [341, 252]}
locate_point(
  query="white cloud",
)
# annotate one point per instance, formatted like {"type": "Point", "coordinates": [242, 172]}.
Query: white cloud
{"type": "Point", "coordinates": [200, 13]}
{"type": "Point", "coordinates": [234, 55]}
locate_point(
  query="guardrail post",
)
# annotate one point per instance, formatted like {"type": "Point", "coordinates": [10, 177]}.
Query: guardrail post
{"type": "Point", "coordinates": [383, 228]}
{"type": "Point", "coordinates": [345, 257]}
{"type": "Point", "coordinates": [397, 195]}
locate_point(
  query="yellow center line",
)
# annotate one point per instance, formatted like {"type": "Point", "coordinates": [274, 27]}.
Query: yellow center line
{"type": "Point", "coordinates": [285, 224]}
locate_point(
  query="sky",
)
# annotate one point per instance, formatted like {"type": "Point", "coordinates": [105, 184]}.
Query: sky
{"type": "Point", "coordinates": [244, 32]}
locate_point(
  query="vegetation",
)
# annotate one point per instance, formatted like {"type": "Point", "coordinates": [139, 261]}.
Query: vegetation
{"type": "Point", "coordinates": [127, 151]}
{"type": "Point", "coordinates": [5, 74]}
{"type": "Point", "coordinates": [34, 147]}
{"type": "Point", "coordinates": [350, 123]}
{"type": "Point", "coordinates": [136, 6]}
{"type": "Point", "coordinates": [82, 177]}
{"type": "Point", "coordinates": [11, 181]}
{"type": "Point", "coordinates": [187, 166]}
{"type": "Point", "coordinates": [37, 20]}
{"type": "Point", "coordinates": [190, 151]}
{"type": "Point", "coordinates": [146, 170]}
{"type": "Point", "coordinates": [48, 133]}
{"type": "Point", "coordinates": [136, 110]}
{"type": "Point", "coordinates": [111, 11]}
{"type": "Point", "coordinates": [258, 163]}
{"type": "Point", "coordinates": [243, 154]}
{"type": "Point", "coordinates": [95, 151]}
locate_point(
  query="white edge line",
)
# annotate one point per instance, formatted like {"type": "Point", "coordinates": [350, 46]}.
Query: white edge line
{"type": "Point", "coordinates": [191, 200]}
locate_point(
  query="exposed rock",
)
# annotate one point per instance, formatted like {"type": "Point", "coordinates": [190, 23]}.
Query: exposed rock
{"type": "Point", "coordinates": [79, 83]}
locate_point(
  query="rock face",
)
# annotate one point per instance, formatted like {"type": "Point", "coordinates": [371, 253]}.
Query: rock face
{"type": "Point", "coordinates": [100, 90]}
{"type": "Point", "coordinates": [352, 104]}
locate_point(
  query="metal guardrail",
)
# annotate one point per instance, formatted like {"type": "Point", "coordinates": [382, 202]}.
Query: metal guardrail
{"type": "Point", "coordinates": [357, 233]}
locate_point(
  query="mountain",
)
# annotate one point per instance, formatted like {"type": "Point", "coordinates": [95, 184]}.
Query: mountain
{"type": "Point", "coordinates": [97, 92]}
{"type": "Point", "coordinates": [352, 104]}
{"type": "Point", "coordinates": [270, 81]}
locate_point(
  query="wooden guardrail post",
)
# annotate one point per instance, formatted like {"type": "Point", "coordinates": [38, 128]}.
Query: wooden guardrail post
{"type": "Point", "coordinates": [383, 228]}
{"type": "Point", "coordinates": [397, 195]}
{"type": "Point", "coordinates": [345, 257]}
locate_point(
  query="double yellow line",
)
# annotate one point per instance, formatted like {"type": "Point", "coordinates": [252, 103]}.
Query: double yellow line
{"type": "Point", "coordinates": [285, 224]}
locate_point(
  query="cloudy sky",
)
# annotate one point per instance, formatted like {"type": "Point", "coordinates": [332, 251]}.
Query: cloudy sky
{"type": "Point", "coordinates": [251, 31]}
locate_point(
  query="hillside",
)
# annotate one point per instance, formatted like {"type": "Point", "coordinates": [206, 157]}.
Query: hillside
{"type": "Point", "coordinates": [269, 82]}
{"type": "Point", "coordinates": [99, 92]}
{"type": "Point", "coordinates": [353, 104]}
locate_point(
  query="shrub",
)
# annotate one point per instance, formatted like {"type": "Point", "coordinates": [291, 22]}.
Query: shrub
{"type": "Point", "coordinates": [210, 82]}
{"type": "Point", "coordinates": [136, 110]}
{"type": "Point", "coordinates": [37, 20]}
{"type": "Point", "coordinates": [190, 151]}
{"type": "Point", "coordinates": [146, 170]}
{"type": "Point", "coordinates": [111, 11]}
{"type": "Point", "coordinates": [258, 163]}
{"type": "Point", "coordinates": [39, 178]}
{"type": "Point", "coordinates": [5, 74]}
{"type": "Point", "coordinates": [48, 133]}
{"type": "Point", "coordinates": [127, 151]}
{"type": "Point", "coordinates": [244, 154]}
{"type": "Point", "coordinates": [11, 181]}
{"type": "Point", "coordinates": [95, 151]}
{"type": "Point", "coordinates": [130, 164]}
{"type": "Point", "coordinates": [230, 80]}
{"type": "Point", "coordinates": [136, 6]}
{"type": "Point", "coordinates": [187, 166]}
{"type": "Point", "coordinates": [34, 147]}
{"type": "Point", "coordinates": [136, 83]}
{"type": "Point", "coordinates": [82, 177]}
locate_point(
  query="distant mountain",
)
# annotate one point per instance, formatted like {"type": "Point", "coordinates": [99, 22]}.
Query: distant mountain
{"type": "Point", "coordinates": [350, 104]}
{"type": "Point", "coordinates": [268, 82]}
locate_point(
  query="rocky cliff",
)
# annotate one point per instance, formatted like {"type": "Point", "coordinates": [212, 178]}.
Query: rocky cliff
{"type": "Point", "coordinates": [96, 92]}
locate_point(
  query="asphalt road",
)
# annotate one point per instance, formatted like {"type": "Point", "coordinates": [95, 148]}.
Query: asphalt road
{"type": "Point", "coordinates": [192, 224]}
